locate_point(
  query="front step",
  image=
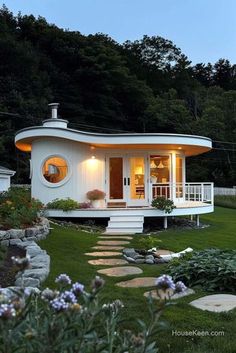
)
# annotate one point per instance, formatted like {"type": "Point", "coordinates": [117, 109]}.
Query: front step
{"type": "Point", "coordinates": [125, 224]}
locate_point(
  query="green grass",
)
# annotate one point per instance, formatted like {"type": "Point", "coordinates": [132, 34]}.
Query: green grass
{"type": "Point", "coordinates": [67, 247]}
{"type": "Point", "coordinates": [225, 201]}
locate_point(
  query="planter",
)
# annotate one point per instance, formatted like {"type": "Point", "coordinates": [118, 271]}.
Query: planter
{"type": "Point", "coordinates": [95, 203]}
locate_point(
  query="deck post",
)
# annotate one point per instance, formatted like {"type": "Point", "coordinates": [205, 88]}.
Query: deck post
{"type": "Point", "coordinates": [165, 223]}
{"type": "Point", "coordinates": [191, 217]}
{"type": "Point", "coordinates": [198, 220]}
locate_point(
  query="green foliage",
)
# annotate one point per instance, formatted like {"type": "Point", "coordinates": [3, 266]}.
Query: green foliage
{"type": "Point", "coordinates": [66, 205]}
{"type": "Point", "coordinates": [161, 203]}
{"type": "Point", "coordinates": [18, 209]}
{"type": "Point", "coordinates": [83, 324]}
{"type": "Point", "coordinates": [148, 242]}
{"type": "Point", "coordinates": [147, 85]}
{"type": "Point", "coordinates": [211, 269]}
{"type": "Point", "coordinates": [225, 201]}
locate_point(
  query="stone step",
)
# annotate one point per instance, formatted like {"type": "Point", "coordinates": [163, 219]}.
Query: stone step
{"type": "Point", "coordinates": [125, 224]}
{"type": "Point", "coordinates": [127, 218]}
{"type": "Point", "coordinates": [127, 230]}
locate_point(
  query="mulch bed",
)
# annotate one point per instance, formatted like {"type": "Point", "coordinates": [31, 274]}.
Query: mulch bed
{"type": "Point", "coordinates": [7, 270]}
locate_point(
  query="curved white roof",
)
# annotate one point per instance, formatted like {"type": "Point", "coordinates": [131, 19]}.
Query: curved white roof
{"type": "Point", "coordinates": [191, 144]}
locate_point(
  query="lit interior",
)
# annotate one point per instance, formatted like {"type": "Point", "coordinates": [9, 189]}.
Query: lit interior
{"type": "Point", "coordinates": [159, 169]}
{"type": "Point", "coordinates": [137, 174]}
{"type": "Point", "coordinates": [55, 169]}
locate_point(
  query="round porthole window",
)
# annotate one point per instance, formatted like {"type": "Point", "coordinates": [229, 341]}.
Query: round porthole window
{"type": "Point", "coordinates": [55, 169]}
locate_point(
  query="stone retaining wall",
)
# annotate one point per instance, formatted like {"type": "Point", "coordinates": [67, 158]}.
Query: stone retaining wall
{"type": "Point", "coordinates": [39, 259]}
{"type": "Point", "coordinates": [17, 236]}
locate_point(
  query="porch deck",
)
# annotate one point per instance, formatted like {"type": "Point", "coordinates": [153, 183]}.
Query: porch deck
{"type": "Point", "coordinates": [182, 208]}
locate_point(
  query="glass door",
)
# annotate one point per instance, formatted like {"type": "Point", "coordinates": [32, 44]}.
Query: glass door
{"type": "Point", "coordinates": [136, 181]}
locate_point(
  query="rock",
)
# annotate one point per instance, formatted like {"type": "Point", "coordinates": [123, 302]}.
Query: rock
{"type": "Point", "coordinates": [33, 251]}
{"type": "Point", "coordinates": [31, 232]}
{"type": "Point", "coordinates": [15, 242]}
{"type": "Point", "coordinates": [129, 259]}
{"type": "Point", "coordinates": [120, 271]}
{"type": "Point", "coordinates": [4, 235]}
{"type": "Point", "coordinates": [103, 253]}
{"type": "Point", "coordinates": [25, 244]}
{"type": "Point", "coordinates": [149, 261]}
{"type": "Point", "coordinates": [39, 273]}
{"type": "Point", "coordinates": [140, 261]}
{"type": "Point", "coordinates": [40, 261]}
{"type": "Point", "coordinates": [154, 295]}
{"type": "Point", "coordinates": [5, 243]}
{"type": "Point", "coordinates": [108, 262]}
{"type": "Point", "coordinates": [32, 238]}
{"type": "Point", "coordinates": [158, 260]}
{"type": "Point", "coordinates": [130, 252]}
{"type": "Point", "coordinates": [216, 302]}
{"type": "Point", "coordinates": [138, 282]}
{"type": "Point", "coordinates": [27, 282]}
{"type": "Point", "coordinates": [17, 233]}
{"type": "Point", "coordinates": [149, 257]}
{"type": "Point", "coordinates": [139, 257]}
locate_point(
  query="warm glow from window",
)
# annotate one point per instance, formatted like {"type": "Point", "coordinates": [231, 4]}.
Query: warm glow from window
{"type": "Point", "coordinates": [55, 169]}
{"type": "Point", "coordinates": [159, 169]}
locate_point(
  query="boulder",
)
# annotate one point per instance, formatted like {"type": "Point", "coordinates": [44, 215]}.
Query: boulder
{"type": "Point", "coordinates": [39, 273]}
{"type": "Point", "coordinates": [27, 282]}
{"type": "Point", "coordinates": [149, 261]}
{"type": "Point", "coordinates": [140, 261]}
{"type": "Point", "coordinates": [5, 243]}
{"type": "Point", "coordinates": [15, 242]}
{"type": "Point", "coordinates": [4, 235]}
{"type": "Point", "coordinates": [17, 233]}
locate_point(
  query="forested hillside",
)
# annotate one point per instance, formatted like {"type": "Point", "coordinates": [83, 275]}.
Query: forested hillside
{"type": "Point", "coordinates": [147, 85]}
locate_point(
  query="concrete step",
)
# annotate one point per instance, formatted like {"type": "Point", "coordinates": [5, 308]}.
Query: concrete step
{"type": "Point", "coordinates": [126, 218]}
{"type": "Point", "coordinates": [124, 224]}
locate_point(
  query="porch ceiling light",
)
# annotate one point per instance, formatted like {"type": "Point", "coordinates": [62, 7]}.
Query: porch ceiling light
{"type": "Point", "coordinates": [160, 165]}
{"type": "Point", "coordinates": [153, 164]}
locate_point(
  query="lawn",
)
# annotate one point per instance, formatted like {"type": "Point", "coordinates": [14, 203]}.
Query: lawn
{"type": "Point", "coordinates": [67, 247]}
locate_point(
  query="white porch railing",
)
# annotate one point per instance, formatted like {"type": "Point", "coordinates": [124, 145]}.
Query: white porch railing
{"type": "Point", "coordinates": [201, 192]}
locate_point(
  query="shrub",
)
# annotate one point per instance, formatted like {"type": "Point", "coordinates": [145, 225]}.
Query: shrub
{"type": "Point", "coordinates": [18, 209]}
{"type": "Point", "coordinates": [74, 320]}
{"type": "Point", "coordinates": [161, 203]}
{"type": "Point", "coordinates": [67, 205]}
{"type": "Point", "coordinates": [211, 269]}
{"type": "Point", "coordinates": [148, 242]}
{"type": "Point", "coordinates": [228, 201]}
{"type": "Point", "coordinates": [95, 195]}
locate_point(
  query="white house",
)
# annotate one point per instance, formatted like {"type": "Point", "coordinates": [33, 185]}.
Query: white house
{"type": "Point", "coordinates": [5, 178]}
{"type": "Point", "coordinates": [131, 168]}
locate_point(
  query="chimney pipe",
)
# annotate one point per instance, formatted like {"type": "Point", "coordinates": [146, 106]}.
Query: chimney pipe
{"type": "Point", "coordinates": [54, 107]}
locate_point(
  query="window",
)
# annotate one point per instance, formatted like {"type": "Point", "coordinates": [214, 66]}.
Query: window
{"type": "Point", "coordinates": [55, 169]}
{"type": "Point", "coordinates": [159, 169]}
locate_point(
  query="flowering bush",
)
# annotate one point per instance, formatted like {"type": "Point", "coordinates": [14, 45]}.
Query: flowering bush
{"type": "Point", "coordinates": [71, 319]}
{"type": "Point", "coordinates": [67, 205]}
{"type": "Point", "coordinates": [161, 203]}
{"type": "Point", "coordinates": [18, 209]}
{"type": "Point", "coordinates": [95, 195]}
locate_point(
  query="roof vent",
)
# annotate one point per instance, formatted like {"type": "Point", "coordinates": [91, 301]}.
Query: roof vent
{"type": "Point", "coordinates": [54, 107]}
{"type": "Point", "coordinates": [54, 121]}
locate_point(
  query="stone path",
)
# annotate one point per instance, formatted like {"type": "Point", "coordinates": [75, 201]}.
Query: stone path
{"type": "Point", "coordinates": [103, 253]}
{"type": "Point", "coordinates": [102, 247]}
{"type": "Point", "coordinates": [112, 242]}
{"type": "Point", "coordinates": [108, 262]}
{"type": "Point", "coordinates": [154, 295]}
{"type": "Point", "coordinates": [216, 302]}
{"type": "Point", "coordinates": [138, 282]}
{"type": "Point", "coordinates": [121, 271]}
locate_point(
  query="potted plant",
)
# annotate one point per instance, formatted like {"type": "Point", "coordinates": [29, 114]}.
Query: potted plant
{"type": "Point", "coordinates": [95, 196]}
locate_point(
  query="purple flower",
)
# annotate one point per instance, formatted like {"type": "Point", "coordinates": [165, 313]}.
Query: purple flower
{"type": "Point", "coordinates": [69, 297]}
{"type": "Point", "coordinates": [165, 282]}
{"type": "Point", "coordinates": [77, 288]}
{"type": "Point", "coordinates": [63, 279]}
{"type": "Point", "coordinates": [59, 304]}
{"type": "Point", "coordinates": [180, 287]}
{"type": "Point", "coordinates": [7, 311]}
{"type": "Point", "coordinates": [97, 283]}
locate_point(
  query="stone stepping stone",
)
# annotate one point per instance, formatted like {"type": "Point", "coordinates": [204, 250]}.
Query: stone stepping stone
{"type": "Point", "coordinates": [101, 247]}
{"type": "Point", "coordinates": [121, 271]}
{"type": "Point", "coordinates": [107, 262]}
{"type": "Point", "coordinates": [216, 302]}
{"type": "Point", "coordinates": [112, 242]}
{"type": "Point", "coordinates": [115, 237]}
{"type": "Point", "coordinates": [175, 296]}
{"type": "Point", "coordinates": [103, 253]}
{"type": "Point", "coordinates": [164, 252]}
{"type": "Point", "coordinates": [138, 282]}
